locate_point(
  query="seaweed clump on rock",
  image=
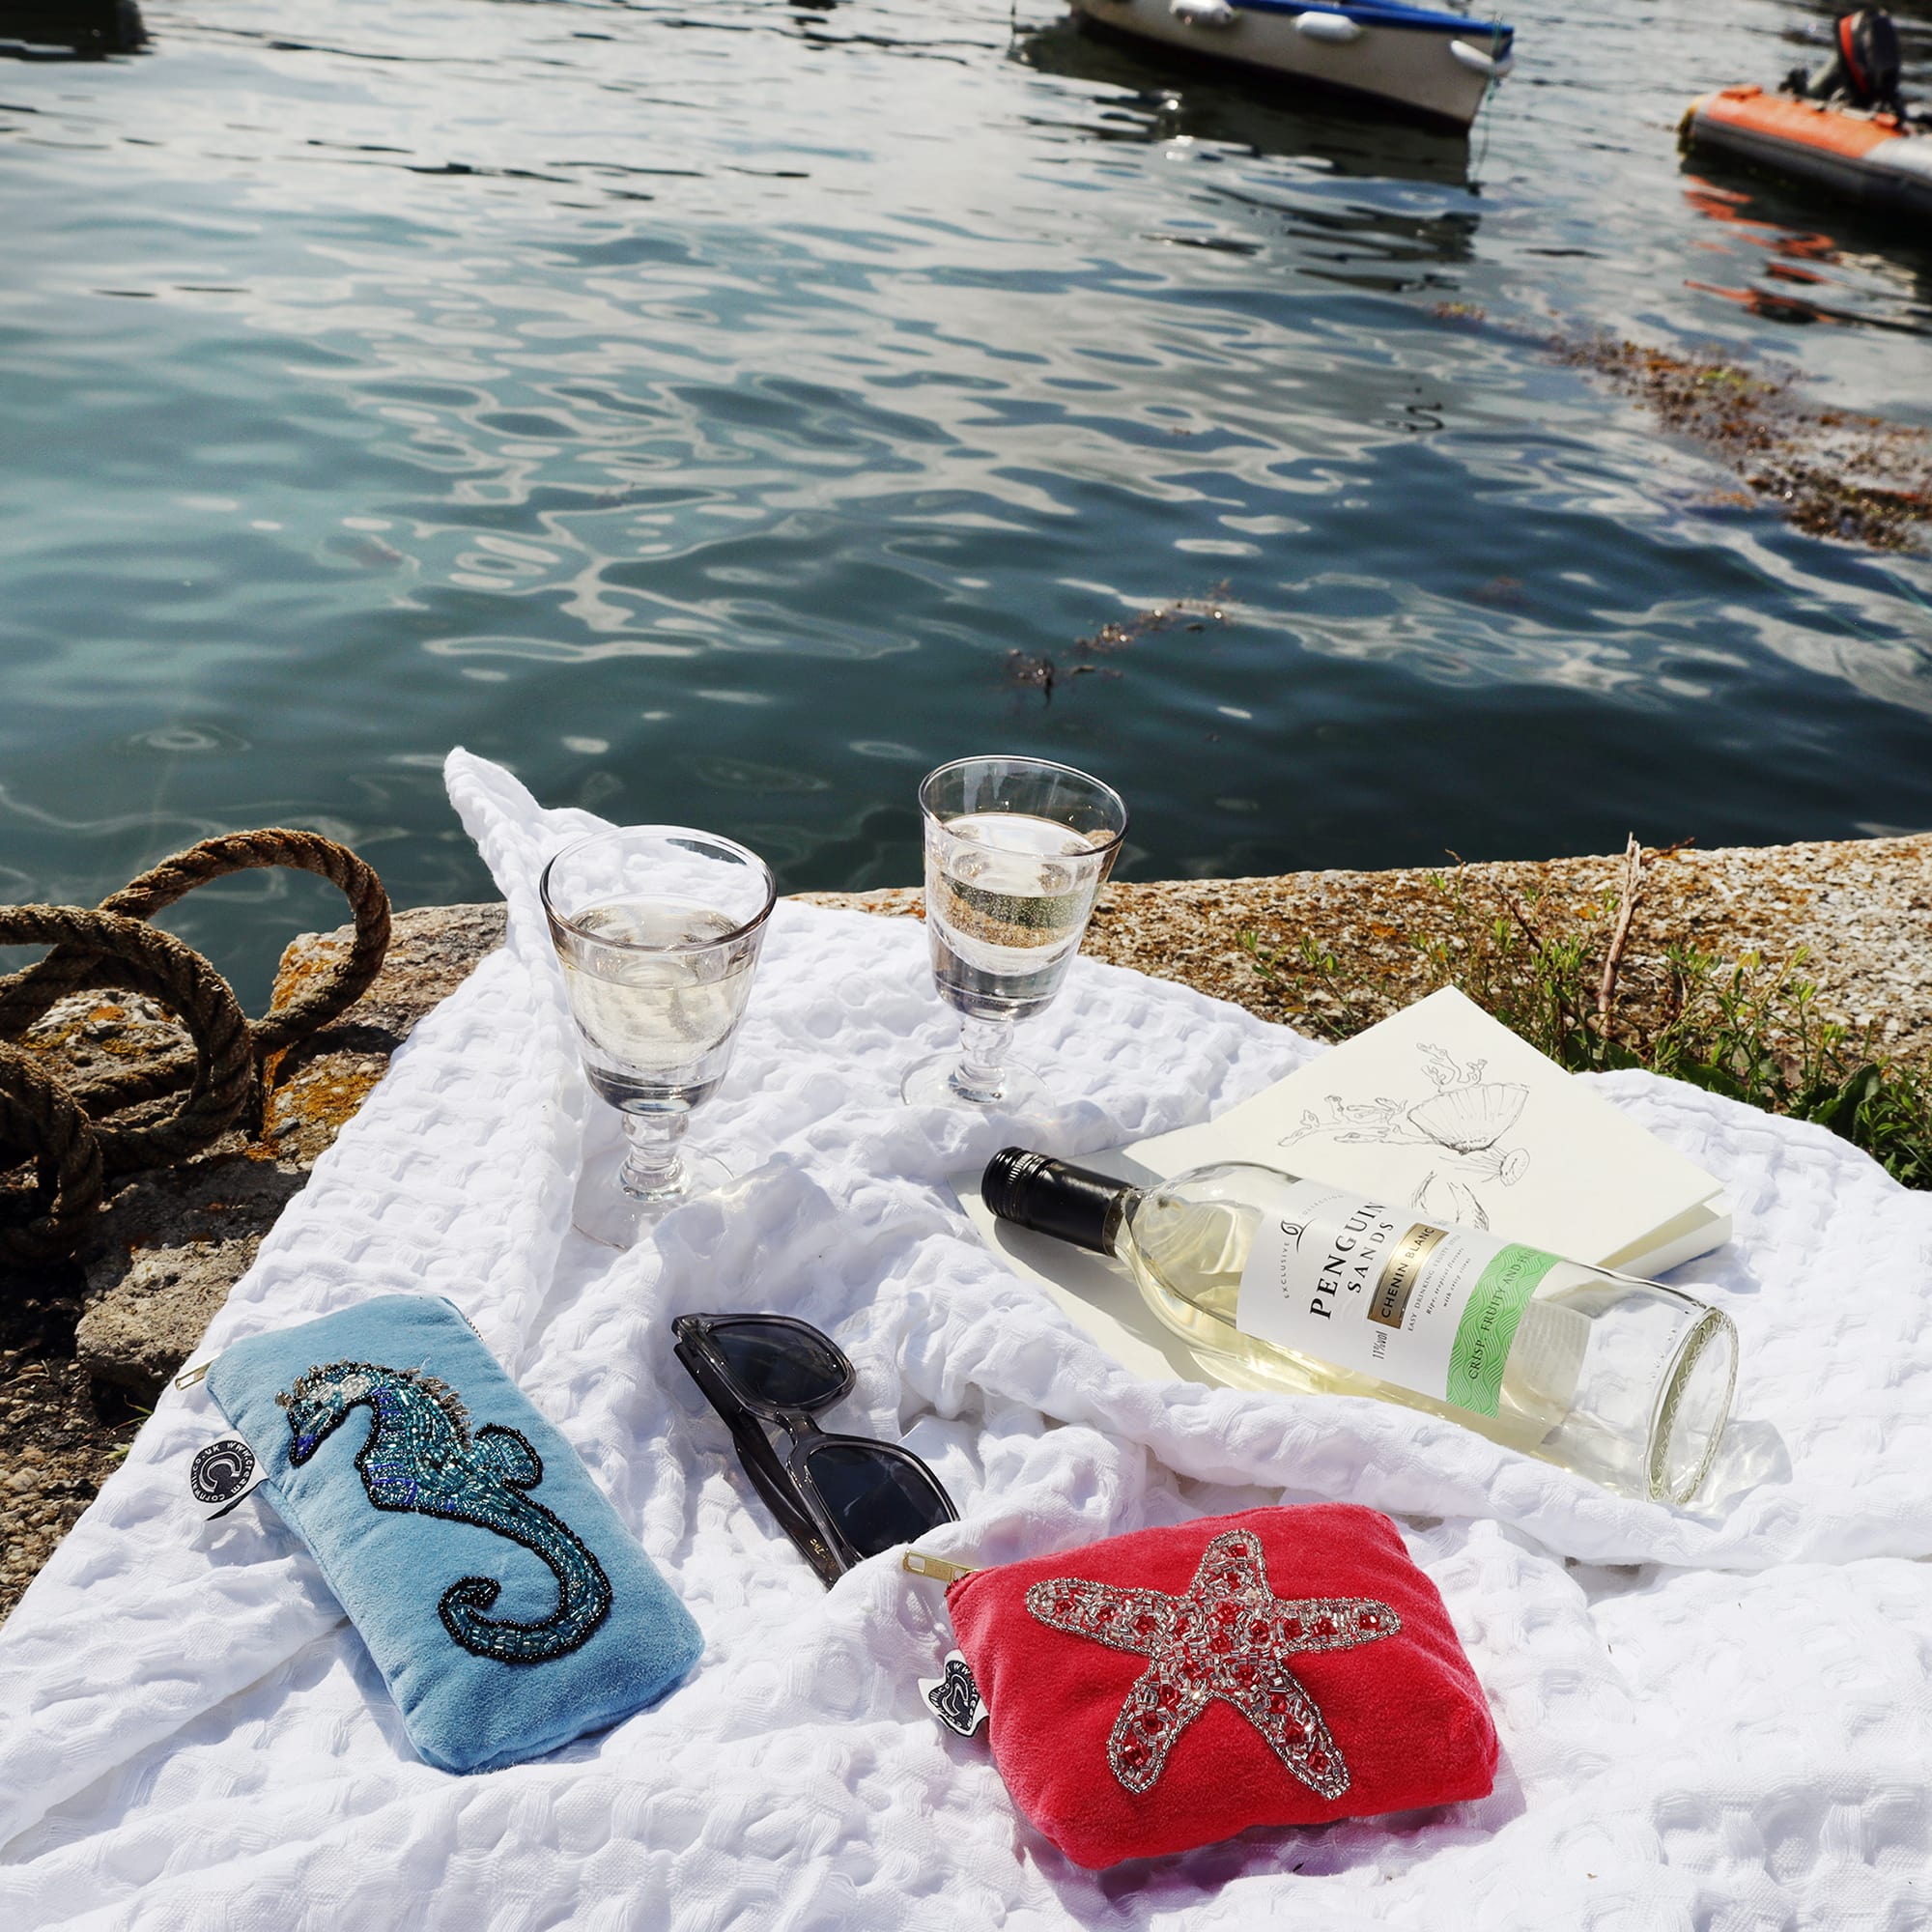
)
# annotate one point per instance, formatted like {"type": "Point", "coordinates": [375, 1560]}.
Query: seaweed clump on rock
{"type": "Point", "coordinates": [1833, 472]}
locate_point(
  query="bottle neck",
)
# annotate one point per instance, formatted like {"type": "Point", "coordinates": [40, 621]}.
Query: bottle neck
{"type": "Point", "coordinates": [1114, 1234]}
{"type": "Point", "coordinates": [1074, 1205]}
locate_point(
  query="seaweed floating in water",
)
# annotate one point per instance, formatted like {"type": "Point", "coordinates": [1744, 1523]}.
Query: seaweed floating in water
{"type": "Point", "coordinates": [1834, 473]}
{"type": "Point", "coordinates": [1197, 612]}
{"type": "Point", "coordinates": [1042, 672]}
{"type": "Point", "coordinates": [1030, 672]}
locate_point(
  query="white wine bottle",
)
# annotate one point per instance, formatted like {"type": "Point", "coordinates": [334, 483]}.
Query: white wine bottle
{"type": "Point", "coordinates": [1294, 1284]}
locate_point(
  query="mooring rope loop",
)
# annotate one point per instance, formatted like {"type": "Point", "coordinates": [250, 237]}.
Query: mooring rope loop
{"type": "Point", "coordinates": [41, 1121]}
{"type": "Point", "coordinates": [134, 956]}
{"type": "Point", "coordinates": [26, 995]}
{"type": "Point", "coordinates": [64, 1129]}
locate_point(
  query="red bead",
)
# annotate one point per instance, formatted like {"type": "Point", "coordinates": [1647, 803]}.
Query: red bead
{"type": "Point", "coordinates": [1225, 1636]}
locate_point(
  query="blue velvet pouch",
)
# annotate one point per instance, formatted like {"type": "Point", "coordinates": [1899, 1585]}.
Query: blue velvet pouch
{"type": "Point", "coordinates": [506, 1606]}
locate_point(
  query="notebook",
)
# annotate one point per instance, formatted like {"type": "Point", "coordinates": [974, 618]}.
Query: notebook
{"type": "Point", "coordinates": [1440, 1106]}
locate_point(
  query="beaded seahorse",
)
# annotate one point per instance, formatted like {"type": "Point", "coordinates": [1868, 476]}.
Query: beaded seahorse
{"type": "Point", "coordinates": [421, 1456]}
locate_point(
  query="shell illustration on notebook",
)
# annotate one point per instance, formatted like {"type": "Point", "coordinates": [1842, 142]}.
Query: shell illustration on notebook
{"type": "Point", "coordinates": [421, 1456]}
{"type": "Point", "coordinates": [1464, 1117]}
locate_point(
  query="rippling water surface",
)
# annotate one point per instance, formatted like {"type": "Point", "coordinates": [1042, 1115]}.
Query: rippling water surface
{"type": "Point", "coordinates": [720, 412]}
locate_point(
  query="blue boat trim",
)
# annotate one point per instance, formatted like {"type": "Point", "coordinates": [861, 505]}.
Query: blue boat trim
{"type": "Point", "coordinates": [1419, 18]}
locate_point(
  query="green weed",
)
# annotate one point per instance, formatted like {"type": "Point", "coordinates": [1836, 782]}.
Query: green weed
{"type": "Point", "coordinates": [1747, 1027]}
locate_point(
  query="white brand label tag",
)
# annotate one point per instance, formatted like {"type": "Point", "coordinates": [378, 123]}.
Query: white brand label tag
{"type": "Point", "coordinates": [222, 1474]}
{"type": "Point", "coordinates": [1370, 1287]}
{"type": "Point", "coordinates": [954, 1699]}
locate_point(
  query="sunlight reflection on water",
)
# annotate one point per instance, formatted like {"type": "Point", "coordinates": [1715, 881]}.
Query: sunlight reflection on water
{"type": "Point", "coordinates": [696, 406]}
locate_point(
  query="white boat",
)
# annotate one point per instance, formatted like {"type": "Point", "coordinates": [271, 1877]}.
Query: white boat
{"type": "Point", "coordinates": [1435, 67]}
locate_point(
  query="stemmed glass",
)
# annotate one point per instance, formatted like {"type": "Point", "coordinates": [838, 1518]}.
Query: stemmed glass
{"type": "Point", "coordinates": [1015, 851]}
{"type": "Point", "coordinates": [657, 929]}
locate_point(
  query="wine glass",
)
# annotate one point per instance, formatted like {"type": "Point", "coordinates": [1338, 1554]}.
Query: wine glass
{"type": "Point", "coordinates": [1015, 851]}
{"type": "Point", "coordinates": [657, 929]}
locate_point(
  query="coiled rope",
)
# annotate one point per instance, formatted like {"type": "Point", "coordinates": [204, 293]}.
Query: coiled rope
{"type": "Point", "coordinates": [64, 1130]}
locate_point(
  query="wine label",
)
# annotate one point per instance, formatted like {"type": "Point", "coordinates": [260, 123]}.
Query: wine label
{"type": "Point", "coordinates": [1368, 1288]}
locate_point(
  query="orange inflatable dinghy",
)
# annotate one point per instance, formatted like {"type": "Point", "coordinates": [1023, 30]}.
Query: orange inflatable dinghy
{"type": "Point", "coordinates": [1867, 157]}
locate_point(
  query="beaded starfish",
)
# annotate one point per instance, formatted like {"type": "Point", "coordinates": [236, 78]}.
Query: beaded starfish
{"type": "Point", "coordinates": [1229, 1636]}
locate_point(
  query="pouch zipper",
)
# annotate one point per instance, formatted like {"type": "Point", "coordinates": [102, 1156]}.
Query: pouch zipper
{"type": "Point", "coordinates": [937, 1568]}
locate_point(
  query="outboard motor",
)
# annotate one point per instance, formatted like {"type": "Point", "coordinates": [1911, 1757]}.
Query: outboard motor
{"type": "Point", "coordinates": [1863, 68]}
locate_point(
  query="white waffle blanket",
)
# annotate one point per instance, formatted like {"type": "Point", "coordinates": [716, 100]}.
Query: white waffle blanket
{"type": "Point", "coordinates": [1715, 1721]}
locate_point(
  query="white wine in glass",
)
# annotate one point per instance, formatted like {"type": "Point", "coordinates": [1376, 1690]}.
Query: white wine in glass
{"type": "Point", "coordinates": [658, 929]}
{"type": "Point", "coordinates": [1016, 850]}
{"type": "Point", "coordinates": [656, 998]}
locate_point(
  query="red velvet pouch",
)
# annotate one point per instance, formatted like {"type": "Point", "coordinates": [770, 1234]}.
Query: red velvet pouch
{"type": "Point", "coordinates": [1172, 1687]}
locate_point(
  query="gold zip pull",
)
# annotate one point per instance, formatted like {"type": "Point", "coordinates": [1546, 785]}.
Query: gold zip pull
{"type": "Point", "coordinates": [188, 1378]}
{"type": "Point", "coordinates": [936, 1567]}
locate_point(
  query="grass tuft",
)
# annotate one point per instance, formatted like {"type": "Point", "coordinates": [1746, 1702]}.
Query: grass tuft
{"type": "Point", "coordinates": [1748, 1028]}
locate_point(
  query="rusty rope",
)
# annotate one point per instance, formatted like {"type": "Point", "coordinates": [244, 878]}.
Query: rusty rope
{"type": "Point", "coordinates": [63, 1129]}
{"type": "Point", "coordinates": [38, 1119]}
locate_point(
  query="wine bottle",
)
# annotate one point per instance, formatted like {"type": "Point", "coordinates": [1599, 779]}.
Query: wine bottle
{"type": "Point", "coordinates": [1291, 1283]}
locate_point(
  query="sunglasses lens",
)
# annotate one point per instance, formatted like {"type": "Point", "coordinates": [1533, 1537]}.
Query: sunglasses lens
{"type": "Point", "coordinates": [877, 1498]}
{"type": "Point", "coordinates": [790, 1367]}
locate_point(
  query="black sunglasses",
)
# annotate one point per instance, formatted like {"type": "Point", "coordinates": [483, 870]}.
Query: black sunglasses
{"type": "Point", "coordinates": [841, 1498]}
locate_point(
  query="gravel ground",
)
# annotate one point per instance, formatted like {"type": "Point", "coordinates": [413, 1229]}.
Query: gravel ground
{"type": "Point", "coordinates": [1861, 909]}
{"type": "Point", "coordinates": [60, 1434]}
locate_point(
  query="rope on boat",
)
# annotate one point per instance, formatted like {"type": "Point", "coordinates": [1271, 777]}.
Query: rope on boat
{"type": "Point", "coordinates": [65, 1131]}
{"type": "Point", "coordinates": [1488, 100]}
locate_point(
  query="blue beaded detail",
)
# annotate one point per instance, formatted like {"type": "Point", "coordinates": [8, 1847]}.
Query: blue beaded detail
{"type": "Point", "coordinates": [422, 1456]}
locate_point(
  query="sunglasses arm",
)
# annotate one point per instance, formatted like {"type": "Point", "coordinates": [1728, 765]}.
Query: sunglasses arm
{"type": "Point", "coordinates": [774, 1484]}
{"type": "Point", "coordinates": [769, 1477]}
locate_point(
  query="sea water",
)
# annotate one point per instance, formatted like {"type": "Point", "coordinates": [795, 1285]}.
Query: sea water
{"type": "Point", "coordinates": [724, 413]}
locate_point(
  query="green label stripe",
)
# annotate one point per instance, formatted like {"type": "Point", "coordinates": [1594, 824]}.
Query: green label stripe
{"type": "Point", "coordinates": [1488, 1327]}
